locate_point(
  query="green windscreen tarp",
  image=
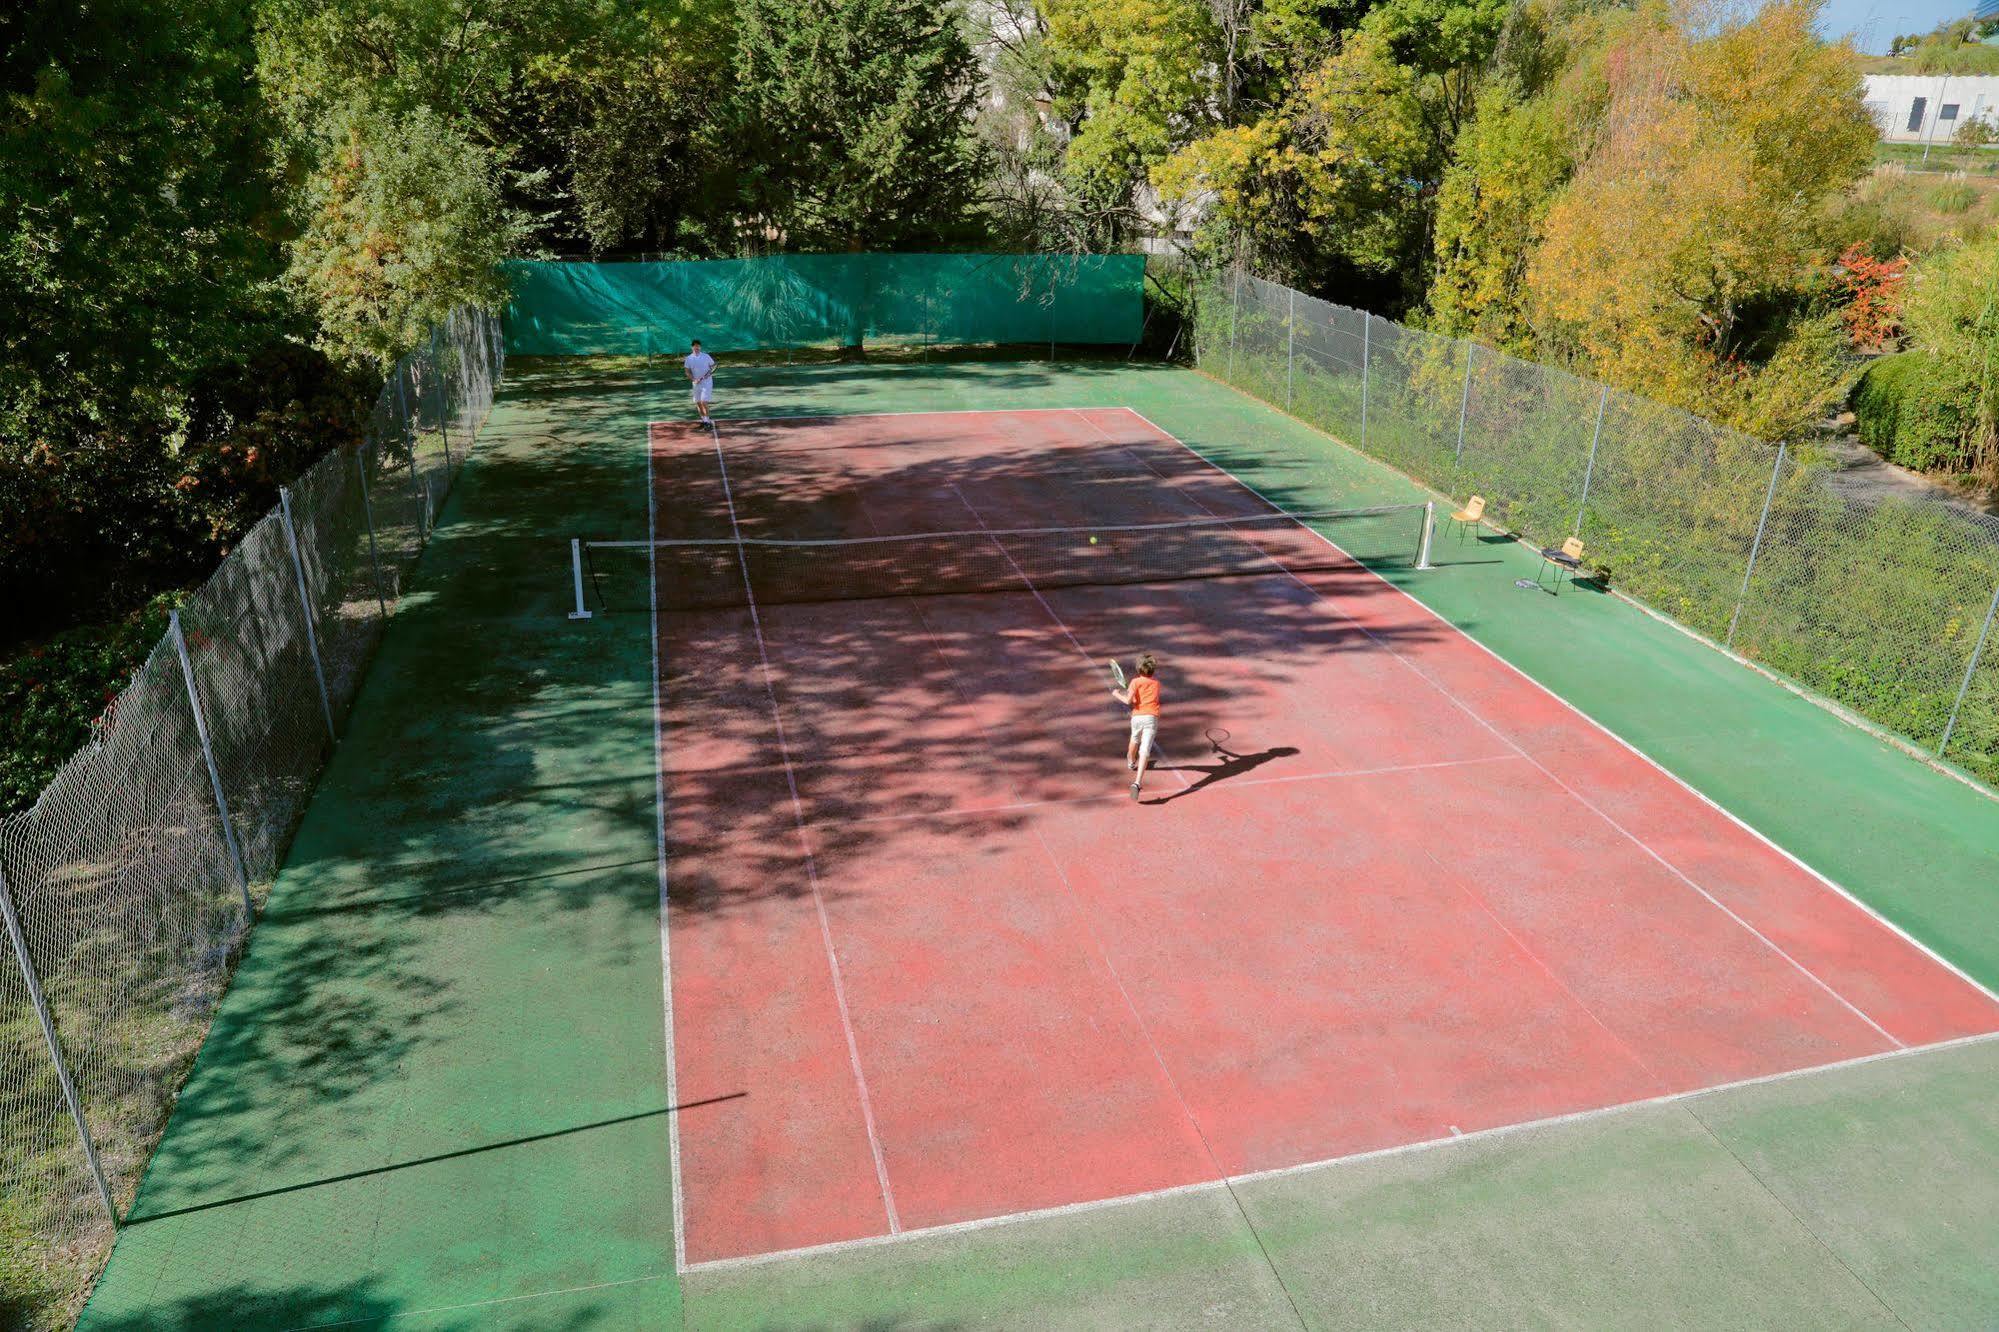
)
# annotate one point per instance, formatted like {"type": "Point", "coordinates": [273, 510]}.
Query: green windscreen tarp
{"type": "Point", "coordinates": [585, 309]}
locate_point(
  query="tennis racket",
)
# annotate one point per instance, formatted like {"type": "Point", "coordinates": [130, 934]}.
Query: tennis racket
{"type": "Point", "coordinates": [1117, 674]}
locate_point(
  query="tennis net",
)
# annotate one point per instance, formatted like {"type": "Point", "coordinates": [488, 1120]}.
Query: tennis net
{"type": "Point", "coordinates": [723, 572]}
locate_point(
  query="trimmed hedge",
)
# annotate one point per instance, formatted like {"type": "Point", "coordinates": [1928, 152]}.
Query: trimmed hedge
{"type": "Point", "coordinates": [1916, 413]}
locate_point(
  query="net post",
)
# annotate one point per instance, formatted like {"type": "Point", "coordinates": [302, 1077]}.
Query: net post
{"type": "Point", "coordinates": [179, 638]}
{"type": "Point", "coordinates": [1429, 529]}
{"type": "Point", "coordinates": [581, 612]}
{"type": "Point", "coordinates": [47, 1021]}
{"type": "Point", "coordinates": [368, 512]}
{"type": "Point", "coordinates": [1970, 670]}
{"type": "Point", "coordinates": [1589, 468]}
{"type": "Point", "coordinates": [1366, 349]}
{"type": "Point", "coordinates": [1464, 405]}
{"type": "Point", "coordinates": [305, 605]}
{"type": "Point", "coordinates": [1756, 546]}
{"type": "Point", "coordinates": [1290, 346]}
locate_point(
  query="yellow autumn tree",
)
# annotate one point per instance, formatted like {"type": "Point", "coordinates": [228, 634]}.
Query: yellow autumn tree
{"type": "Point", "coordinates": [1681, 260]}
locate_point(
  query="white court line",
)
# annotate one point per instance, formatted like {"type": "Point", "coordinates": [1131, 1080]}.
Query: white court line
{"type": "Point", "coordinates": [1449, 1140]}
{"type": "Point", "coordinates": [863, 416]}
{"type": "Point", "coordinates": [1508, 741]}
{"type": "Point", "coordinates": [1332, 775]}
{"type": "Point", "coordinates": [1027, 582]}
{"type": "Point", "coordinates": [659, 822]}
{"type": "Point", "coordinates": [811, 866]}
{"type": "Point", "coordinates": [484, 1304]}
{"type": "Point", "coordinates": [1638, 753]}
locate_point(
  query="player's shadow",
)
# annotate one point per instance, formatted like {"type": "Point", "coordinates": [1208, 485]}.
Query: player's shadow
{"type": "Point", "coordinates": [1225, 766]}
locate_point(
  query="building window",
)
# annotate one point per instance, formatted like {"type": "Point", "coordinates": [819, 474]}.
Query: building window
{"type": "Point", "coordinates": [1916, 112]}
{"type": "Point", "coordinates": [1948, 111]}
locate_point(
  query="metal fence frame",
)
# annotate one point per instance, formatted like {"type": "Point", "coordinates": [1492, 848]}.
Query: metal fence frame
{"type": "Point", "coordinates": [1885, 606]}
{"type": "Point", "coordinates": [127, 890]}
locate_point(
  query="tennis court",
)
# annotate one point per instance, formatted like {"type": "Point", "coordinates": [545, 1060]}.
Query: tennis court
{"type": "Point", "coordinates": [929, 964]}
{"type": "Point", "coordinates": [1517, 984]}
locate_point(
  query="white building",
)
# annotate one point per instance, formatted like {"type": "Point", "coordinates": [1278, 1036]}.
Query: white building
{"type": "Point", "coordinates": [1928, 108]}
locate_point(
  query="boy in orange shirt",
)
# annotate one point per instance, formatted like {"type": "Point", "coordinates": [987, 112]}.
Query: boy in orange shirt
{"type": "Point", "coordinates": [1143, 696]}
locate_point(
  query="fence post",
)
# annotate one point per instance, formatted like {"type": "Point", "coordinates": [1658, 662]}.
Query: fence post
{"type": "Point", "coordinates": [1290, 345]}
{"type": "Point", "coordinates": [410, 434]}
{"type": "Point", "coordinates": [1235, 318]}
{"type": "Point", "coordinates": [1589, 469]}
{"type": "Point", "coordinates": [443, 405]}
{"type": "Point", "coordinates": [1464, 404]}
{"type": "Point", "coordinates": [1366, 341]}
{"type": "Point", "coordinates": [1756, 546]}
{"type": "Point", "coordinates": [368, 512]}
{"type": "Point", "coordinates": [305, 604]}
{"type": "Point", "coordinates": [403, 405]}
{"type": "Point", "coordinates": [1970, 669]}
{"type": "Point", "coordinates": [179, 638]}
{"type": "Point", "coordinates": [42, 1015]}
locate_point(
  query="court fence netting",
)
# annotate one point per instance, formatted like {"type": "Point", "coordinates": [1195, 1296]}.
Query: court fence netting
{"type": "Point", "coordinates": [720, 573]}
{"type": "Point", "coordinates": [1885, 605]}
{"type": "Point", "coordinates": [128, 888]}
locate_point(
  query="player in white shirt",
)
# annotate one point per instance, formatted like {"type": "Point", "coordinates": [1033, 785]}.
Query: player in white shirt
{"type": "Point", "coordinates": [700, 368]}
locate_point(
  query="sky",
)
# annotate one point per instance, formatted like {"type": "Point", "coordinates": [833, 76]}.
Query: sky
{"type": "Point", "coordinates": [1874, 23]}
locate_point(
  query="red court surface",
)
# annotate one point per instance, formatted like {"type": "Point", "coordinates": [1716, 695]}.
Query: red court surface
{"type": "Point", "coordinates": [930, 964]}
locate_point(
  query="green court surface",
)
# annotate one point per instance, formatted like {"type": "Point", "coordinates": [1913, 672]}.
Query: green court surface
{"type": "Point", "coordinates": [435, 1095]}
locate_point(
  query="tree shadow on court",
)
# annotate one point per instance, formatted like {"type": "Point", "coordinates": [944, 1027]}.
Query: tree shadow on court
{"type": "Point", "coordinates": [464, 944]}
{"type": "Point", "coordinates": [1225, 766]}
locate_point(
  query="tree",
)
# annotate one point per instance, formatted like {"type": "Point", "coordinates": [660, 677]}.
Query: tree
{"type": "Point", "coordinates": [1129, 77]}
{"type": "Point", "coordinates": [1532, 122]}
{"type": "Point", "coordinates": [403, 222]}
{"type": "Point", "coordinates": [848, 128]}
{"type": "Point", "coordinates": [137, 214]}
{"type": "Point", "coordinates": [1340, 175]}
{"type": "Point", "coordinates": [1692, 244]}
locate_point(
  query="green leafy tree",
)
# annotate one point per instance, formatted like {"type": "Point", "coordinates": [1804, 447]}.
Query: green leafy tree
{"type": "Point", "coordinates": [848, 128]}
{"type": "Point", "coordinates": [1341, 173]}
{"type": "Point", "coordinates": [1131, 79]}
{"type": "Point", "coordinates": [137, 212]}
{"type": "Point", "coordinates": [403, 221]}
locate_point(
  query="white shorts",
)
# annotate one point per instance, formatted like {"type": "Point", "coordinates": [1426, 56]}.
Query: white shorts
{"type": "Point", "coordinates": [704, 390]}
{"type": "Point", "coordinates": [1143, 727]}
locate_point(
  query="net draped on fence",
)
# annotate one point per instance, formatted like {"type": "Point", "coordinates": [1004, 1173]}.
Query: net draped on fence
{"type": "Point", "coordinates": [128, 888]}
{"type": "Point", "coordinates": [1885, 605]}
{"type": "Point", "coordinates": [807, 300]}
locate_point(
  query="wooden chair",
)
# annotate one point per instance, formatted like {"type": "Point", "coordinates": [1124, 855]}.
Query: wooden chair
{"type": "Point", "coordinates": [1568, 555]}
{"type": "Point", "coordinates": [1469, 516]}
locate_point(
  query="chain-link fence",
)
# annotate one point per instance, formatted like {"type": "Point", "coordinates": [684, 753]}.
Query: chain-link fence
{"type": "Point", "coordinates": [126, 891]}
{"type": "Point", "coordinates": [1884, 604]}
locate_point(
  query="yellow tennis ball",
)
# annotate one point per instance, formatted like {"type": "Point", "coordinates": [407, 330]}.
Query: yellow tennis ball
{"type": "Point", "coordinates": [1093, 541]}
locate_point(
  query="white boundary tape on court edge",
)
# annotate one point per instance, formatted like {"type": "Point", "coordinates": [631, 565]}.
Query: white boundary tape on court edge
{"type": "Point", "coordinates": [659, 827]}
{"type": "Point", "coordinates": [1682, 782]}
{"type": "Point", "coordinates": [1337, 1162]}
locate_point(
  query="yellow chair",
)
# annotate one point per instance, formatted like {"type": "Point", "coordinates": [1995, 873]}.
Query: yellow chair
{"type": "Point", "coordinates": [1568, 555]}
{"type": "Point", "coordinates": [1469, 516]}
